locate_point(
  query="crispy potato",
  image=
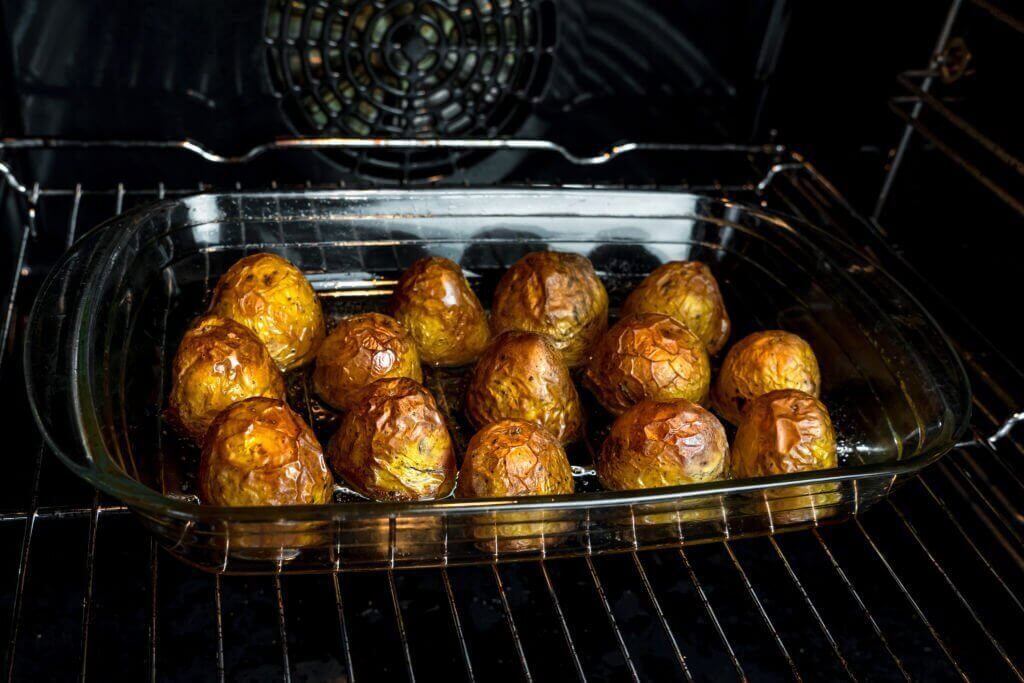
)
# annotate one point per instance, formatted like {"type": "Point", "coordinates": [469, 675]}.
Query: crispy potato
{"type": "Point", "coordinates": [434, 303]}
{"type": "Point", "coordinates": [394, 445]}
{"type": "Point", "coordinates": [260, 452]}
{"type": "Point", "coordinates": [218, 363]}
{"type": "Point", "coordinates": [763, 362]}
{"type": "Point", "coordinates": [556, 294]}
{"type": "Point", "coordinates": [688, 292]}
{"type": "Point", "coordinates": [648, 356]}
{"type": "Point", "coordinates": [515, 458]}
{"type": "Point", "coordinates": [656, 444]}
{"type": "Point", "coordinates": [362, 349]}
{"type": "Point", "coordinates": [521, 376]}
{"type": "Point", "coordinates": [782, 432]}
{"type": "Point", "coordinates": [274, 299]}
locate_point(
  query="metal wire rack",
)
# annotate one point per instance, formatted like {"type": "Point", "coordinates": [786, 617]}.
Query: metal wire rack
{"type": "Point", "coordinates": [925, 585]}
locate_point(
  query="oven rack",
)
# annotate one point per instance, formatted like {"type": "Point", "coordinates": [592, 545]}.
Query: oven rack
{"type": "Point", "coordinates": [935, 569]}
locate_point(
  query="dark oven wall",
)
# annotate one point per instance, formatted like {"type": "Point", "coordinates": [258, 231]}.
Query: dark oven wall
{"type": "Point", "coordinates": [232, 74]}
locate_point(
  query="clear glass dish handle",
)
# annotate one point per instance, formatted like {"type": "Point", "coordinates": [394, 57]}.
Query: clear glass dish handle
{"type": "Point", "coordinates": [49, 353]}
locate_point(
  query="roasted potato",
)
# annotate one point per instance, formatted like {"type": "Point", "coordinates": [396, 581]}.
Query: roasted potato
{"type": "Point", "coordinates": [688, 292]}
{"type": "Point", "coordinates": [274, 299]}
{"type": "Point", "coordinates": [260, 452]}
{"type": "Point", "coordinates": [362, 349]}
{"type": "Point", "coordinates": [434, 303]}
{"type": "Point", "coordinates": [556, 294]}
{"type": "Point", "coordinates": [782, 432]}
{"type": "Point", "coordinates": [521, 376]}
{"type": "Point", "coordinates": [648, 356]}
{"type": "Point", "coordinates": [763, 362]}
{"type": "Point", "coordinates": [515, 458]}
{"type": "Point", "coordinates": [657, 444]}
{"type": "Point", "coordinates": [394, 445]}
{"type": "Point", "coordinates": [218, 363]}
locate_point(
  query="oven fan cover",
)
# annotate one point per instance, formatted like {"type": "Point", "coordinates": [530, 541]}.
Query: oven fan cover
{"type": "Point", "coordinates": [409, 69]}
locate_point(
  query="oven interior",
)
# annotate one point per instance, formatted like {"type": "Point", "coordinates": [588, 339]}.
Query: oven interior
{"type": "Point", "coordinates": [889, 127]}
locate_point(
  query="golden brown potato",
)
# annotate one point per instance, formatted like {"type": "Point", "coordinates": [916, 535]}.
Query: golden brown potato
{"type": "Point", "coordinates": [362, 349]}
{"type": "Point", "coordinates": [274, 299]}
{"type": "Point", "coordinates": [657, 444]}
{"type": "Point", "coordinates": [394, 445]}
{"type": "Point", "coordinates": [782, 432]}
{"type": "Point", "coordinates": [763, 362]}
{"type": "Point", "coordinates": [556, 294]}
{"type": "Point", "coordinates": [521, 376]}
{"type": "Point", "coordinates": [218, 363]}
{"type": "Point", "coordinates": [515, 458]}
{"type": "Point", "coordinates": [648, 356]}
{"type": "Point", "coordinates": [688, 292]}
{"type": "Point", "coordinates": [260, 452]}
{"type": "Point", "coordinates": [434, 303]}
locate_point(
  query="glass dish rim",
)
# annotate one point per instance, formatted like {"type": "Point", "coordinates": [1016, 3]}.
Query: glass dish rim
{"type": "Point", "coordinates": [137, 495]}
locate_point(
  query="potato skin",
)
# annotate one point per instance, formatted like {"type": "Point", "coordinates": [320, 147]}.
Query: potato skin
{"type": "Point", "coordinates": [515, 458]}
{"type": "Point", "coordinates": [434, 303]}
{"type": "Point", "coordinates": [218, 362]}
{"type": "Point", "coordinates": [271, 297]}
{"type": "Point", "coordinates": [648, 356]}
{"type": "Point", "coordinates": [657, 444]}
{"type": "Point", "coordinates": [260, 452]}
{"type": "Point", "coordinates": [521, 376]}
{"type": "Point", "coordinates": [782, 432]}
{"type": "Point", "coordinates": [762, 362]}
{"type": "Point", "coordinates": [688, 292]}
{"type": "Point", "coordinates": [556, 294]}
{"type": "Point", "coordinates": [362, 349]}
{"type": "Point", "coordinates": [394, 445]}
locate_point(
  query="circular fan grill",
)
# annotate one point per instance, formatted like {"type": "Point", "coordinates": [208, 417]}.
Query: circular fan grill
{"type": "Point", "coordinates": [409, 68]}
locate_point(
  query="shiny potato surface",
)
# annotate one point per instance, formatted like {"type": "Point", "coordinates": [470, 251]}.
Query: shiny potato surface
{"type": "Point", "coordinates": [763, 362]}
{"type": "Point", "coordinates": [260, 452]}
{"type": "Point", "coordinates": [271, 297]}
{"type": "Point", "coordinates": [688, 292]}
{"type": "Point", "coordinates": [521, 376]}
{"type": "Point", "coordinates": [362, 349]}
{"type": "Point", "coordinates": [556, 294]}
{"type": "Point", "coordinates": [394, 445]}
{"type": "Point", "coordinates": [657, 444]}
{"type": "Point", "coordinates": [783, 432]}
{"type": "Point", "coordinates": [648, 356]}
{"type": "Point", "coordinates": [515, 458]}
{"type": "Point", "coordinates": [434, 303]}
{"type": "Point", "coordinates": [218, 362]}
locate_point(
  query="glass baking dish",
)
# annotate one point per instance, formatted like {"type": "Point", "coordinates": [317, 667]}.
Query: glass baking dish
{"type": "Point", "coordinates": [109, 317]}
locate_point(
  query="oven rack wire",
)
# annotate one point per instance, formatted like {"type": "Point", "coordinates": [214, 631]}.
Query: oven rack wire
{"type": "Point", "coordinates": [969, 501]}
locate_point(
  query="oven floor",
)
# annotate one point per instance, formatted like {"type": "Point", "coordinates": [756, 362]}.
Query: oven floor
{"type": "Point", "coordinates": [926, 585]}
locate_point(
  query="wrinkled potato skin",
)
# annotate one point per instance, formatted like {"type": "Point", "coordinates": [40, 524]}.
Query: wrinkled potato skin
{"type": "Point", "coordinates": [434, 303]}
{"type": "Point", "coordinates": [763, 362]}
{"type": "Point", "coordinates": [556, 294]}
{"type": "Point", "coordinates": [783, 432]}
{"type": "Point", "coordinates": [362, 349]}
{"type": "Point", "coordinates": [688, 292]}
{"type": "Point", "coordinates": [271, 297]}
{"type": "Point", "coordinates": [648, 356]}
{"type": "Point", "coordinates": [218, 362]}
{"type": "Point", "coordinates": [394, 445]}
{"type": "Point", "coordinates": [260, 452]}
{"type": "Point", "coordinates": [521, 376]}
{"type": "Point", "coordinates": [515, 458]}
{"type": "Point", "coordinates": [656, 444]}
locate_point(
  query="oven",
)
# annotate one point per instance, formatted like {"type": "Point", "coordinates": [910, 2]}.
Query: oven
{"type": "Point", "coordinates": [889, 129]}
